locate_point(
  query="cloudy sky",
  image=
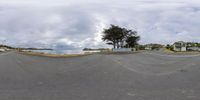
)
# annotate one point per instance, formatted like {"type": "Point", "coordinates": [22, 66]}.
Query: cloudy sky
{"type": "Point", "coordinates": [74, 24]}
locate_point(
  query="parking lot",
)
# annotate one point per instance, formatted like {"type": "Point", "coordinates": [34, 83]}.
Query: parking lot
{"type": "Point", "coordinates": [138, 76]}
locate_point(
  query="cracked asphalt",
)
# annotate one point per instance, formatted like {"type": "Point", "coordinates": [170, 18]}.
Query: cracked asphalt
{"type": "Point", "coordinates": [139, 76]}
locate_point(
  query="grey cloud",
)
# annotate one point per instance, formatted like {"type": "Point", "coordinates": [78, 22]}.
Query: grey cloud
{"type": "Point", "coordinates": [74, 24]}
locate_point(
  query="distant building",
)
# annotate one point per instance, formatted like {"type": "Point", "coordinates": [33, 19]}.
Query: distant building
{"type": "Point", "coordinates": [148, 47]}
{"type": "Point", "coordinates": [153, 46]}
{"type": "Point", "coordinates": [186, 46]}
{"type": "Point", "coordinates": [192, 46]}
{"type": "Point", "coordinates": [193, 49]}
{"type": "Point", "coordinates": [180, 46]}
{"type": "Point", "coordinates": [2, 49]}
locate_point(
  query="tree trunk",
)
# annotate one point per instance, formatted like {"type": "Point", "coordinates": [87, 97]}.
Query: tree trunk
{"type": "Point", "coordinates": [117, 43]}
{"type": "Point", "coordinates": [114, 44]}
{"type": "Point", "coordinates": [122, 44]}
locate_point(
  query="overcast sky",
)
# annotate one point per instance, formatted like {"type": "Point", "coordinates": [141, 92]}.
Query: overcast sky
{"type": "Point", "coordinates": [74, 24]}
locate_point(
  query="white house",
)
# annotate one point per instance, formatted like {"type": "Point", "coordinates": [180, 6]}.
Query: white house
{"type": "Point", "coordinates": [2, 49]}
{"type": "Point", "coordinates": [148, 47]}
{"type": "Point", "coordinates": [191, 46]}
{"type": "Point", "coordinates": [180, 46]}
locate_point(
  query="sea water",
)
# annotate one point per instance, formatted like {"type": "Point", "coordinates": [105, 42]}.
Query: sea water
{"type": "Point", "coordinates": [58, 51]}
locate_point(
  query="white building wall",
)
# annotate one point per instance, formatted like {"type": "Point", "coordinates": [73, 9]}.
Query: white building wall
{"type": "Point", "coordinates": [176, 49]}
{"type": "Point", "coordinates": [122, 50]}
{"type": "Point", "coordinates": [183, 49]}
{"type": "Point", "coordinates": [1, 50]}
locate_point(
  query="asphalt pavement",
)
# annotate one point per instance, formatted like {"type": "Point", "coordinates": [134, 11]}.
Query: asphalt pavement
{"type": "Point", "coordinates": [138, 76]}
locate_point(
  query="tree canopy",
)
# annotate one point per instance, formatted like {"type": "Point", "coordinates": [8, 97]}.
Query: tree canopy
{"type": "Point", "coordinates": [120, 37]}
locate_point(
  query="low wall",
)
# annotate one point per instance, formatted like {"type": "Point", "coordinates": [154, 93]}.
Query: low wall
{"type": "Point", "coordinates": [123, 50]}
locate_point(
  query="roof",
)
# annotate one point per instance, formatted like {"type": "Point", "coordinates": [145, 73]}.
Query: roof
{"type": "Point", "coordinates": [180, 42]}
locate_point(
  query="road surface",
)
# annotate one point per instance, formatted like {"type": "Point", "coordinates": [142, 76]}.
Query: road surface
{"type": "Point", "coordinates": [140, 76]}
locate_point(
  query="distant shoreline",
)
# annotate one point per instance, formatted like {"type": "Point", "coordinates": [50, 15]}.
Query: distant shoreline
{"type": "Point", "coordinates": [52, 55]}
{"type": "Point", "coordinates": [35, 49]}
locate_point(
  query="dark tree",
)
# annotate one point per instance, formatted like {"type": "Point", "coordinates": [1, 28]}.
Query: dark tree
{"type": "Point", "coordinates": [169, 47]}
{"type": "Point", "coordinates": [132, 41]}
{"type": "Point", "coordinates": [112, 35]}
{"type": "Point", "coordinates": [120, 37]}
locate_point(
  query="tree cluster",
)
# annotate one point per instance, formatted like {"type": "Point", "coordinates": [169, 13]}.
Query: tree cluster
{"type": "Point", "coordinates": [169, 47]}
{"type": "Point", "coordinates": [5, 46]}
{"type": "Point", "coordinates": [155, 46]}
{"type": "Point", "coordinates": [120, 37]}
